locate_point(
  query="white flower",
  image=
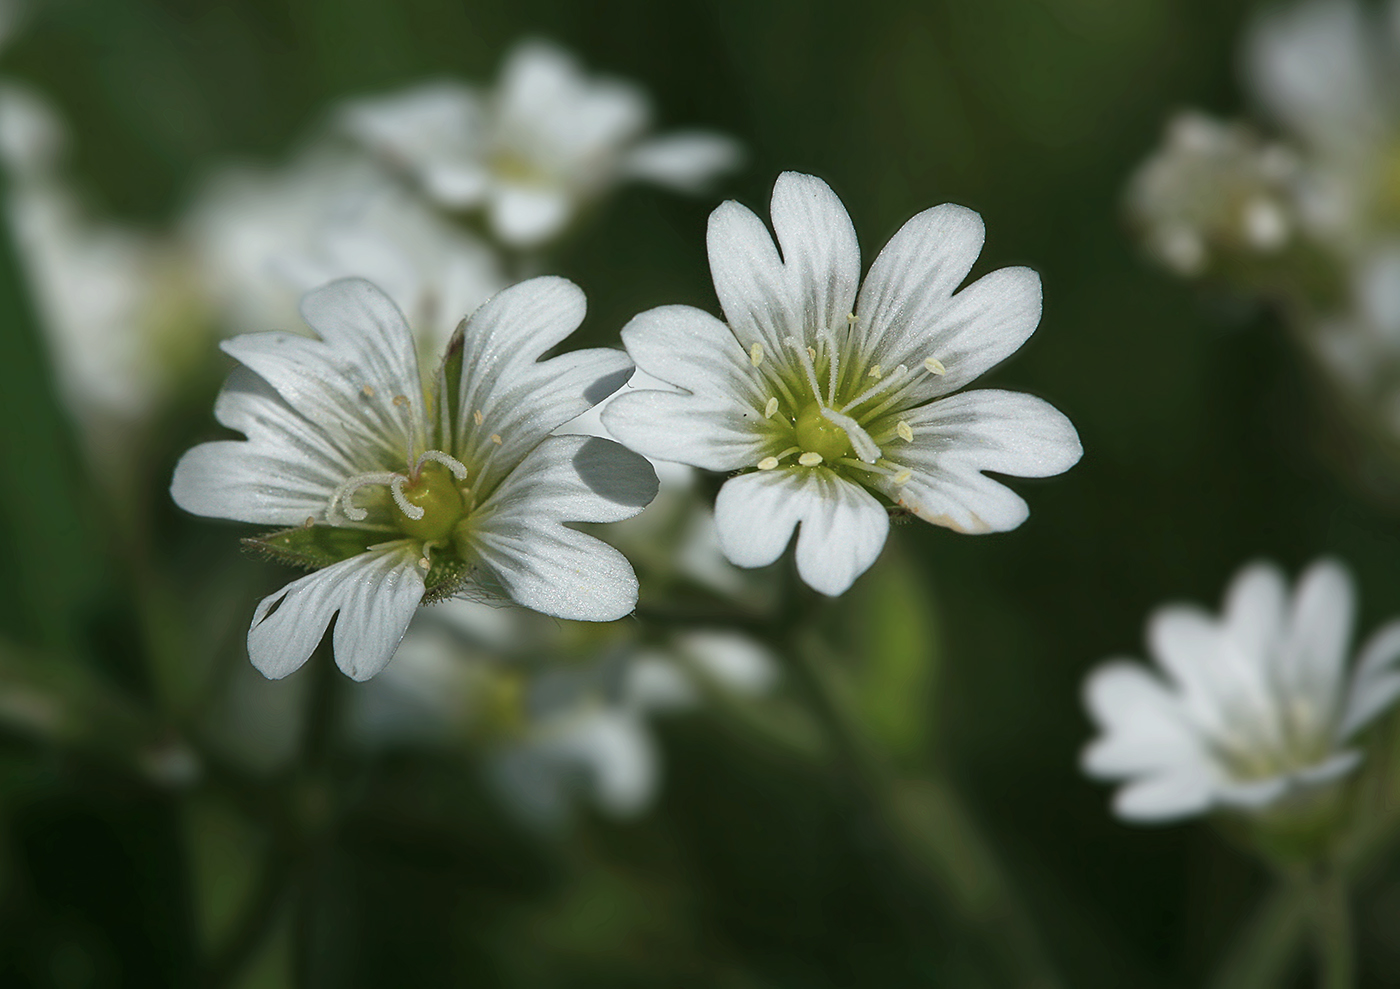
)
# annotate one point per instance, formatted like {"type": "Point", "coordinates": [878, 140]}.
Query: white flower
{"type": "Point", "coordinates": [546, 141]}
{"type": "Point", "coordinates": [1213, 187]}
{"type": "Point", "coordinates": [456, 486]}
{"type": "Point", "coordinates": [264, 237]}
{"type": "Point", "coordinates": [1253, 706]}
{"type": "Point", "coordinates": [826, 400]}
{"type": "Point", "coordinates": [1327, 70]}
{"type": "Point", "coordinates": [114, 302]}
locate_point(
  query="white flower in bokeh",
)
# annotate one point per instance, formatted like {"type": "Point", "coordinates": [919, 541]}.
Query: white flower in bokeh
{"type": "Point", "coordinates": [1248, 708]}
{"type": "Point", "coordinates": [1214, 188]}
{"type": "Point", "coordinates": [263, 238]}
{"type": "Point", "coordinates": [546, 141]}
{"type": "Point", "coordinates": [1329, 72]}
{"type": "Point", "coordinates": [829, 401]}
{"type": "Point", "coordinates": [400, 488]}
{"type": "Point", "coordinates": [116, 304]}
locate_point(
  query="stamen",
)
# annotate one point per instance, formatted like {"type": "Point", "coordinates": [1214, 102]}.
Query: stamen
{"type": "Point", "coordinates": [805, 354]}
{"type": "Point", "coordinates": [368, 391]}
{"type": "Point", "coordinates": [478, 418]}
{"type": "Point", "coordinates": [810, 459]}
{"type": "Point", "coordinates": [396, 487]}
{"type": "Point", "coordinates": [884, 384]}
{"type": "Point", "coordinates": [770, 409]}
{"type": "Point", "coordinates": [868, 468]}
{"type": "Point", "coordinates": [756, 354]}
{"type": "Point", "coordinates": [874, 372]}
{"type": "Point", "coordinates": [400, 400]}
{"type": "Point", "coordinates": [347, 489]}
{"type": "Point", "coordinates": [496, 438]}
{"type": "Point", "coordinates": [905, 431]}
{"type": "Point", "coordinates": [934, 365]}
{"type": "Point", "coordinates": [831, 370]}
{"type": "Point", "coordinates": [812, 353]}
{"type": "Point", "coordinates": [903, 477]}
{"type": "Point", "coordinates": [768, 463]}
{"type": "Point", "coordinates": [458, 469]}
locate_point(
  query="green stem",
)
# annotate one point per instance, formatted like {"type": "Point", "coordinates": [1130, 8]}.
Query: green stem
{"type": "Point", "coordinates": [941, 837]}
{"type": "Point", "coordinates": [1266, 949]}
{"type": "Point", "coordinates": [1332, 930]}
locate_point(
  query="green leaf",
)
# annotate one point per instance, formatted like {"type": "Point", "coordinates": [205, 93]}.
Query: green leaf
{"type": "Point", "coordinates": [313, 546]}
{"type": "Point", "coordinates": [895, 643]}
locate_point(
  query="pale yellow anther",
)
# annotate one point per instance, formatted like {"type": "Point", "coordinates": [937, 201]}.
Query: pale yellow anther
{"type": "Point", "coordinates": [770, 409]}
{"type": "Point", "coordinates": [903, 477]}
{"type": "Point", "coordinates": [496, 438]}
{"type": "Point", "coordinates": [478, 418]}
{"type": "Point", "coordinates": [400, 400]}
{"type": "Point", "coordinates": [934, 365]}
{"type": "Point", "coordinates": [812, 353]}
{"type": "Point", "coordinates": [756, 354]}
{"type": "Point", "coordinates": [368, 391]}
{"type": "Point", "coordinates": [310, 521]}
{"type": "Point", "coordinates": [851, 319]}
{"type": "Point", "coordinates": [768, 463]}
{"type": "Point", "coordinates": [906, 433]}
{"type": "Point", "coordinates": [810, 459]}
{"type": "Point", "coordinates": [424, 563]}
{"type": "Point", "coordinates": [874, 372]}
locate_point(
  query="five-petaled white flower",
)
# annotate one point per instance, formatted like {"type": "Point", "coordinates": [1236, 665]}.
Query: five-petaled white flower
{"type": "Point", "coordinates": [411, 492]}
{"type": "Point", "coordinates": [544, 143]}
{"type": "Point", "coordinates": [822, 397]}
{"type": "Point", "coordinates": [1255, 705]}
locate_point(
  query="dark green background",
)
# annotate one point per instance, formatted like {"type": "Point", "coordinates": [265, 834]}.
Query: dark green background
{"type": "Point", "coordinates": [1205, 446]}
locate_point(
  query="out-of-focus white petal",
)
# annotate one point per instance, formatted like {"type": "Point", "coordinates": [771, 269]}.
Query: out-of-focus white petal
{"type": "Point", "coordinates": [687, 161]}
{"type": "Point", "coordinates": [1183, 792]}
{"type": "Point", "coordinates": [1315, 652]}
{"type": "Point", "coordinates": [527, 216]}
{"type": "Point", "coordinates": [375, 595]}
{"type": "Point", "coordinates": [1144, 728]}
{"type": "Point", "coordinates": [734, 661]}
{"type": "Point", "coordinates": [1376, 682]}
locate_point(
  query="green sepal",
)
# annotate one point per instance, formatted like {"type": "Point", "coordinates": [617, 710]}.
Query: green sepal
{"type": "Point", "coordinates": [449, 379]}
{"type": "Point", "coordinates": [313, 547]}
{"type": "Point", "coordinates": [445, 578]}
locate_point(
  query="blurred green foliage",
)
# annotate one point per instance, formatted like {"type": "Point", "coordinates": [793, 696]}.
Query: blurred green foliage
{"type": "Point", "coordinates": [1204, 446]}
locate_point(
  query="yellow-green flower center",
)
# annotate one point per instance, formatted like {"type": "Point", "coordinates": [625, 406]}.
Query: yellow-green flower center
{"type": "Point", "coordinates": [436, 492]}
{"type": "Point", "coordinates": [817, 434]}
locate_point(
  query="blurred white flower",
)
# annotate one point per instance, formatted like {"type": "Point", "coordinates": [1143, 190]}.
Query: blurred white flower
{"type": "Point", "coordinates": [1254, 706]}
{"type": "Point", "coordinates": [116, 304]}
{"type": "Point", "coordinates": [531, 152]}
{"type": "Point", "coordinates": [1212, 188]}
{"type": "Point", "coordinates": [822, 397]}
{"type": "Point", "coordinates": [1329, 72]}
{"type": "Point", "coordinates": [264, 237]}
{"type": "Point", "coordinates": [435, 488]}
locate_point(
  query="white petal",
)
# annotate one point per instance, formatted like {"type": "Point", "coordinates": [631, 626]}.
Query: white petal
{"type": "Point", "coordinates": [843, 526]}
{"type": "Point", "coordinates": [1376, 682]}
{"type": "Point", "coordinates": [957, 438]}
{"type": "Point", "coordinates": [1254, 794]}
{"type": "Point", "coordinates": [1188, 643]}
{"type": "Point", "coordinates": [284, 474]}
{"type": "Point", "coordinates": [620, 757]}
{"type": "Point", "coordinates": [983, 325]}
{"type": "Point", "coordinates": [1255, 607]}
{"type": "Point", "coordinates": [434, 131]}
{"type": "Point", "coordinates": [713, 433]}
{"type": "Point", "coordinates": [1313, 661]}
{"type": "Point", "coordinates": [686, 161]}
{"type": "Point", "coordinates": [455, 184]}
{"type": "Point", "coordinates": [522, 399]}
{"type": "Point", "coordinates": [912, 281]}
{"type": "Point", "coordinates": [375, 594]}
{"type": "Point", "coordinates": [347, 383]}
{"type": "Point", "coordinates": [1311, 64]}
{"type": "Point", "coordinates": [821, 258]}
{"type": "Point", "coordinates": [527, 216]}
{"type": "Point", "coordinates": [736, 662]}
{"type": "Point", "coordinates": [544, 565]}
{"type": "Point", "coordinates": [1144, 727]}
{"type": "Point", "coordinates": [1168, 797]}
{"type": "Point", "coordinates": [689, 348]}
{"type": "Point", "coordinates": [750, 280]}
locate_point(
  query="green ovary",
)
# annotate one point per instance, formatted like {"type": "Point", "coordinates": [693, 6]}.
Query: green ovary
{"type": "Point", "coordinates": [817, 434]}
{"type": "Point", "coordinates": [436, 492]}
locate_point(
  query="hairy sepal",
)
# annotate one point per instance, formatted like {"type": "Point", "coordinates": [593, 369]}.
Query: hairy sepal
{"type": "Point", "coordinates": [312, 547]}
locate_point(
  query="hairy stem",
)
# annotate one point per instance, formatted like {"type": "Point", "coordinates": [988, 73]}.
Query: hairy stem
{"type": "Point", "coordinates": [1332, 930]}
